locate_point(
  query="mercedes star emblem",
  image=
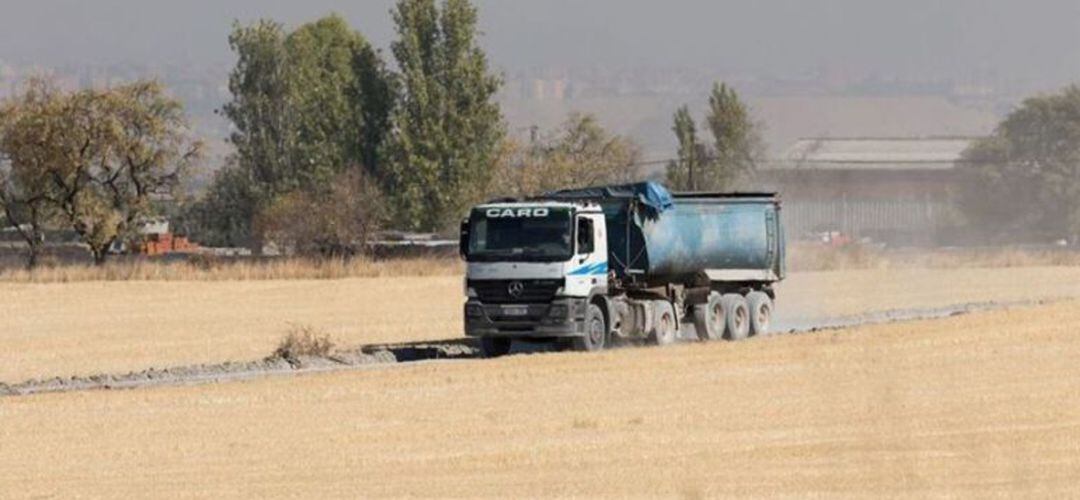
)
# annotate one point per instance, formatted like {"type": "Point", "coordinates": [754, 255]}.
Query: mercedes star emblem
{"type": "Point", "coordinates": [515, 288]}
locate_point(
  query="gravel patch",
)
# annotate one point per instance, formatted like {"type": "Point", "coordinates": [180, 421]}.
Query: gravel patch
{"type": "Point", "coordinates": [233, 370]}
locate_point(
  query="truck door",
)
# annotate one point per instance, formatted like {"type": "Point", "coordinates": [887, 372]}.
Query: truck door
{"type": "Point", "coordinates": [589, 267]}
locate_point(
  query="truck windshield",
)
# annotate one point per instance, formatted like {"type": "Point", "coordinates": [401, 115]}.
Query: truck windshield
{"type": "Point", "coordinates": [520, 234]}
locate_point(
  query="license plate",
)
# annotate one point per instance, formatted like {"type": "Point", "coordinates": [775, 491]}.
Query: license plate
{"type": "Point", "coordinates": [516, 311]}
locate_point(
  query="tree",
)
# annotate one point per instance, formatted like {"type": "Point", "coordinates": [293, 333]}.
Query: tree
{"type": "Point", "coordinates": [342, 95]}
{"type": "Point", "coordinates": [26, 121]}
{"type": "Point", "coordinates": [307, 105]}
{"type": "Point", "coordinates": [1024, 180]}
{"type": "Point", "coordinates": [121, 148]}
{"type": "Point", "coordinates": [691, 155]}
{"type": "Point", "coordinates": [223, 215]}
{"type": "Point", "coordinates": [582, 153]}
{"type": "Point", "coordinates": [259, 110]}
{"type": "Point", "coordinates": [446, 126]}
{"type": "Point", "coordinates": [336, 223]}
{"type": "Point", "coordinates": [732, 158]}
{"type": "Point", "coordinates": [97, 158]}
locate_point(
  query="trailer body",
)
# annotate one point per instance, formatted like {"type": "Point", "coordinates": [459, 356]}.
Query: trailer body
{"type": "Point", "coordinates": [661, 237]}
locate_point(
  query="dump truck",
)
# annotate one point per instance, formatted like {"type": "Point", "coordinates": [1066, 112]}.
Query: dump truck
{"type": "Point", "coordinates": [587, 268]}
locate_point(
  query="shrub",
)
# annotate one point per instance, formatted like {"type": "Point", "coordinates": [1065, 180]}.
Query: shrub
{"type": "Point", "coordinates": [336, 223]}
{"type": "Point", "coordinates": [303, 340]}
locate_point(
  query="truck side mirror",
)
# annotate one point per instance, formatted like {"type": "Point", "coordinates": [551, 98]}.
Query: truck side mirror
{"type": "Point", "coordinates": [585, 237]}
{"type": "Point", "coordinates": [463, 239]}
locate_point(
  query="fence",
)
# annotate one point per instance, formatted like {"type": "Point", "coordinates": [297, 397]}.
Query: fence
{"type": "Point", "coordinates": [906, 221]}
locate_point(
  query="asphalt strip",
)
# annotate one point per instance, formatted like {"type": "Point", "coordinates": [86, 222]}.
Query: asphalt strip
{"type": "Point", "coordinates": [394, 355]}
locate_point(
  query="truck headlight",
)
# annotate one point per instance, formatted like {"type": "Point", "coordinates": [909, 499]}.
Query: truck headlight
{"type": "Point", "coordinates": [474, 311]}
{"type": "Point", "coordinates": [557, 311]}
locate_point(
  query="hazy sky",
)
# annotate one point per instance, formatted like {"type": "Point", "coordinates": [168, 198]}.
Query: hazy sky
{"type": "Point", "coordinates": [1037, 40]}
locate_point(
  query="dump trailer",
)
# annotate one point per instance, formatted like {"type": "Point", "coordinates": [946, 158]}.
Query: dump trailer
{"type": "Point", "coordinates": [629, 263]}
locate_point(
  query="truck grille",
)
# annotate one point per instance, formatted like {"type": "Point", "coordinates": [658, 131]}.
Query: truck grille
{"type": "Point", "coordinates": [532, 291]}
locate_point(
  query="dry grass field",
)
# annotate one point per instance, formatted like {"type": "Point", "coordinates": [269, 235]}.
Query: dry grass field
{"type": "Point", "coordinates": [209, 268]}
{"type": "Point", "coordinates": [62, 329]}
{"type": "Point", "coordinates": [972, 406]}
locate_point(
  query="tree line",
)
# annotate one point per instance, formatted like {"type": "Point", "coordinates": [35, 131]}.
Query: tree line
{"type": "Point", "coordinates": [321, 121]}
{"type": "Point", "coordinates": [332, 141]}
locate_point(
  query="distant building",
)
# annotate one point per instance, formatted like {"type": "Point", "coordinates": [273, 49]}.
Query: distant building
{"type": "Point", "coordinates": [153, 226]}
{"type": "Point", "coordinates": [891, 190]}
{"type": "Point", "coordinates": [154, 238]}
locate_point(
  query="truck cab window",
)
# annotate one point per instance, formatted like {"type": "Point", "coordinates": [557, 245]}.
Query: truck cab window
{"type": "Point", "coordinates": [585, 236]}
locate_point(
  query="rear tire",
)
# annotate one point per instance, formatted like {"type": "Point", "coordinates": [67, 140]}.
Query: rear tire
{"type": "Point", "coordinates": [710, 319]}
{"type": "Point", "coordinates": [494, 347]}
{"type": "Point", "coordinates": [596, 334]}
{"type": "Point", "coordinates": [664, 328]}
{"type": "Point", "coordinates": [761, 309]}
{"type": "Point", "coordinates": [737, 311]}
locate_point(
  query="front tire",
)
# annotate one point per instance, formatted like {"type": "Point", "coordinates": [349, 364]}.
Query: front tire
{"type": "Point", "coordinates": [664, 327]}
{"type": "Point", "coordinates": [494, 347]}
{"type": "Point", "coordinates": [596, 333]}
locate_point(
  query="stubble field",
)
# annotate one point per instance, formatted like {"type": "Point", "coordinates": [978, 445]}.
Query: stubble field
{"type": "Point", "coordinates": [976, 405]}
{"type": "Point", "coordinates": [83, 328]}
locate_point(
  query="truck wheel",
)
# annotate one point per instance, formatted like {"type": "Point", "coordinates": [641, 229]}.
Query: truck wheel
{"type": "Point", "coordinates": [737, 311]}
{"type": "Point", "coordinates": [595, 337]}
{"type": "Point", "coordinates": [761, 308]}
{"type": "Point", "coordinates": [709, 318]}
{"type": "Point", "coordinates": [494, 347]}
{"type": "Point", "coordinates": [664, 328]}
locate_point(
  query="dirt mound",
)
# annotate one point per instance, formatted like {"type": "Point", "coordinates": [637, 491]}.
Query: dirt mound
{"type": "Point", "coordinates": [232, 370]}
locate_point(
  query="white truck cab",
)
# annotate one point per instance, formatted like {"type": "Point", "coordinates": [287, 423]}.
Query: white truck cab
{"type": "Point", "coordinates": [532, 269]}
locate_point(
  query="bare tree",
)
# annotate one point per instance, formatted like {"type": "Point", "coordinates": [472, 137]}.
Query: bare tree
{"type": "Point", "coordinates": [334, 223]}
{"type": "Point", "coordinates": [581, 153]}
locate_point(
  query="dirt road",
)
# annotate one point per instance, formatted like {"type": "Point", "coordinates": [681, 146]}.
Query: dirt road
{"type": "Point", "coordinates": [116, 327]}
{"type": "Point", "coordinates": [977, 405]}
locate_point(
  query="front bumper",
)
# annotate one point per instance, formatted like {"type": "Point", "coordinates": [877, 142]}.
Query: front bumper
{"type": "Point", "coordinates": [526, 320]}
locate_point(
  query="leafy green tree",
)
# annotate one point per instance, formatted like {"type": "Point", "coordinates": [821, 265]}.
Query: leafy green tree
{"type": "Point", "coordinates": [447, 126]}
{"type": "Point", "coordinates": [307, 106]}
{"type": "Point", "coordinates": [731, 160]}
{"type": "Point", "coordinates": [582, 153]}
{"type": "Point", "coordinates": [342, 95]}
{"type": "Point", "coordinates": [263, 135]}
{"type": "Point", "coordinates": [682, 172]}
{"type": "Point", "coordinates": [223, 215]}
{"type": "Point", "coordinates": [1024, 180]}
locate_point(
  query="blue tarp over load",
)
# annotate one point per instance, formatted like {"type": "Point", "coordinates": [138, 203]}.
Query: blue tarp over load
{"type": "Point", "coordinates": [650, 194]}
{"type": "Point", "coordinates": [654, 235]}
